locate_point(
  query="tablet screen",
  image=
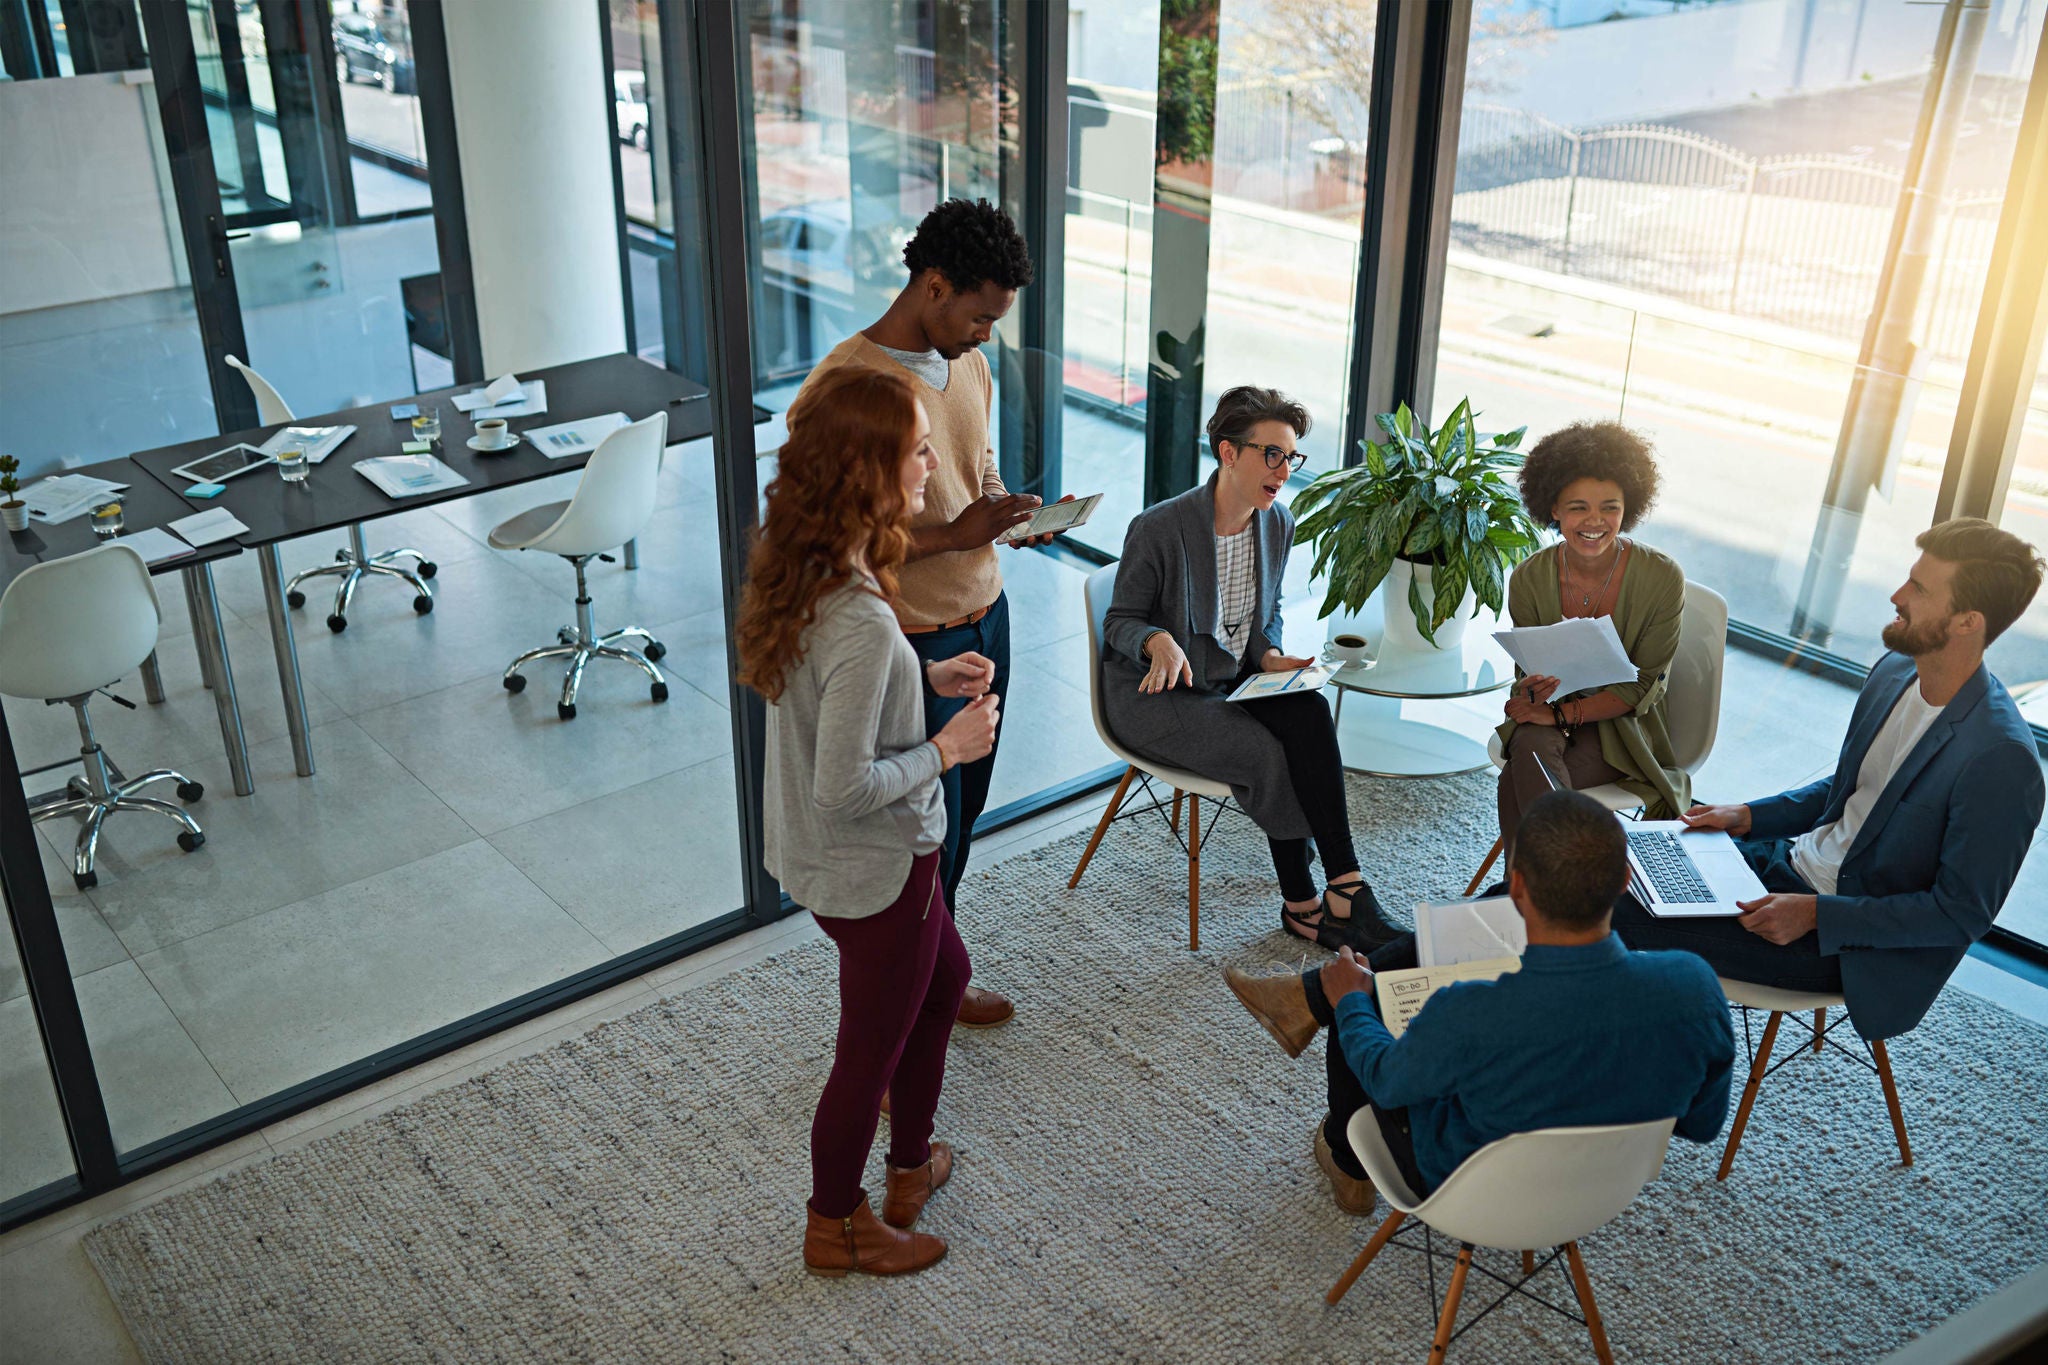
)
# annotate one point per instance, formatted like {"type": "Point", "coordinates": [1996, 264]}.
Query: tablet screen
{"type": "Point", "coordinates": [223, 464]}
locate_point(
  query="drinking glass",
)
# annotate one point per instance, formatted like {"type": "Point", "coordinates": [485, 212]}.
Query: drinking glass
{"type": "Point", "coordinates": [427, 426]}
{"type": "Point", "coordinates": [291, 464]}
{"type": "Point", "coordinates": [107, 520]}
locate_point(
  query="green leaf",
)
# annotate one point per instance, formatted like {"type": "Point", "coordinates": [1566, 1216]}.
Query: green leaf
{"type": "Point", "coordinates": [1449, 581]}
{"type": "Point", "coordinates": [1374, 459]}
{"type": "Point", "coordinates": [1475, 523]}
{"type": "Point", "coordinates": [1512, 439]}
{"type": "Point", "coordinates": [1489, 582]}
{"type": "Point", "coordinates": [1424, 621]}
{"type": "Point", "coordinates": [1425, 537]}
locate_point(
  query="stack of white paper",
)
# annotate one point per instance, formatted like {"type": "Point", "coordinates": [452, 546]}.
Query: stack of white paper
{"type": "Point", "coordinates": [574, 438]}
{"type": "Point", "coordinates": [204, 528]}
{"type": "Point", "coordinates": [64, 496]}
{"type": "Point", "coordinates": [155, 546]}
{"type": "Point", "coordinates": [317, 442]}
{"type": "Point", "coordinates": [504, 396]}
{"type": "Point", "coordinates": [408, 476]}
{"type": "Point", "coordinates": [1468, 931]}
{"type": "Point", "coordinates": [1581, 653]}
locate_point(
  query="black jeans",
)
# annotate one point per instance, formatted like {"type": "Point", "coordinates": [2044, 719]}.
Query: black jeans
{"type": "Point", "coordinates": [965, 787]}
{"type": "Point", "coordinates": [1731, 950]}
{"type": "Point", "coordinates": [1301, 722]}
{"type": "Point", "coordinates": [1347, 1096]}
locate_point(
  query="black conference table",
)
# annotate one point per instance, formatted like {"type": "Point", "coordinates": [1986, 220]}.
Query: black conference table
{"type": "Point", "coordinates": [334, 495]}
{"type": "Point", "coordinates": [147, 504]}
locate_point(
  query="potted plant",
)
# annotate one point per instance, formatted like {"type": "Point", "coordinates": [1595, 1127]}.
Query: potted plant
{"type": "Point", "coordinates": [13, 511]}
{"type": "Point", "coordinates": [1432, 515]}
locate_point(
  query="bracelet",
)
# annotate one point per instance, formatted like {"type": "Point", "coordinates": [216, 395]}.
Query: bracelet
{"type": "Point", "coordinates": [1557, 719]}
{"type": "Point", "coordinates": [944, 766]}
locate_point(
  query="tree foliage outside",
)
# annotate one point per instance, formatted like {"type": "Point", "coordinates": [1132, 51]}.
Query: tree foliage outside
{"type": "Point", "coordinates": [1187, 81]}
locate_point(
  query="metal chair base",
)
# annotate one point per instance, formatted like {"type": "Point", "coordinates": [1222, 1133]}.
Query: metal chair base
{"type": "Point", "coordinates": [353, 564]}
{"type": "Point", "coordinates": [103, 791]}
{"type": "Point", "coordinates": [581, 643]}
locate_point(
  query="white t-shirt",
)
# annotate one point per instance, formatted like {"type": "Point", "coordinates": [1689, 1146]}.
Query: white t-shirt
{"type": "Point", "coordinates": [1237, 589]}
{"type": "Point", "coordinates": [929, 366]}
{"type": "Point", "coordinates": [1817, 855]}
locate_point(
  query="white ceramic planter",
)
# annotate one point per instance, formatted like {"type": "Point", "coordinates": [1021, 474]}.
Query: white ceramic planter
{"type": "Point", "coordinates": [1400, 617]}
{"type": "Point", "coordinates": [15, 517]}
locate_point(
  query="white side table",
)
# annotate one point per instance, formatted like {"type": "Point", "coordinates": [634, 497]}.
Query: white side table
{"type": "Point", "coordinates": [1407, 713]}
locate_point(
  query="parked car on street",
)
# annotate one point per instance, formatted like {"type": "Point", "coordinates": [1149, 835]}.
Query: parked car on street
{"type": "Point", "coordinates": [378, 51]}
{"type": "Point", "coordinates": [629, 98]}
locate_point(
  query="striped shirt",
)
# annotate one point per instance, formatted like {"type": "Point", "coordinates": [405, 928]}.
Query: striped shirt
{"type": "Point", "coordinates": [1237, 590]}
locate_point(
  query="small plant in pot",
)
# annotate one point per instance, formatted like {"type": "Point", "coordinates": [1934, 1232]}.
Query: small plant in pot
{"type": "Point", "coordinates": [1434, 515]}
{"type": "Point", "coordinates": [13, 511]}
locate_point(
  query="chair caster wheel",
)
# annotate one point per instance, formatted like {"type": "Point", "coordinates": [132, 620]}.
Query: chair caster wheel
{"type": "Point", "coordinates": [189, 841]}
{"type": "Point", "coordinates": [337, 623]}
{"type": "Point", "coordinates": [428, 568]}
{"type": "Point", "coordinates": [659, 691]}
{"type": "Point", "coordinates": [655, 649]}
{"type": "Point", "coordinates": [190, 791]}
{"type": "Point", "coordinates": [423, 604]}
{"type": "Point", "coordinates": [515, 682]}
{"type": "Point", "coordinates": [86, 881]}
{"type": "Point", "coordinates": [296, 598]}
{"type": "Point", "coordinates": [566, 710]}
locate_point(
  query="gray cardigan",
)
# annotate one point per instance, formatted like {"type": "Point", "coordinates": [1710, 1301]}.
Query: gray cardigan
{"type": "Point", "coordinates": [1167, 581]}
{"type": "Point", "coordinates": [852, 792]}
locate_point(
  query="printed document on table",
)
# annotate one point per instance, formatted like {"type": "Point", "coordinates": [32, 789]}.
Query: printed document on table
{"type": "Point", "coordinates": [154, 545]}
{"type": "Point", "coordinates": [1264, 685]}
{"type": "Point", "coordinates": [1403, 994]}
{"type": "Point", "coordinates": [61, 497]}
{"type": "Point", "coordinates": [317, 442]}
{"type": "Point", "coordinates": [1468, 931]}
{"type": "Point", "coordinates": [1581, 653]}
{"type": "Point", "coordinates": [574, 438]}
{"type": "Point", "coordinates": [408, 476]}
{"type": "Point", "coordinates": [504, 396]}
{"type": "Point", "coordinates": [204, 528]}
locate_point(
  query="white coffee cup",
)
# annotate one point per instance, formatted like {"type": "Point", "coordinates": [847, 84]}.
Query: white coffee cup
{"type": "Point", "coordinates": [493, 434]}
{"type": "Point", "coordinates": [1347, 648]}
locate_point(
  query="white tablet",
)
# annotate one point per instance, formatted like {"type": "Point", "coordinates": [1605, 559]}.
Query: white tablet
{"type": "Point", "coordinates": [224, 464]}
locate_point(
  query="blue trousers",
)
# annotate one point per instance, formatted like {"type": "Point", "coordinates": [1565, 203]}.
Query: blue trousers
{"type": "Point", "coordinates": [966, 786]}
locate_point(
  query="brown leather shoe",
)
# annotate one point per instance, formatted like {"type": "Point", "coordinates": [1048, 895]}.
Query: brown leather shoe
{"type": "Point", "coordinates": [1355, 1195]}
{"type": "Point", "coordinates": [908, 1190]}
{"type": "Point", "coordinates": [984, 1009]}
{"type": "Point", "coordinates": [865, 1244]}
{"type": "Point", "coordinates": [1279, 1004]}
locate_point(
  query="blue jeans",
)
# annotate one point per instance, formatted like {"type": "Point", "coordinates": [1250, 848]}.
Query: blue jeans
{"type": "Point", "coordinates": [1731, 950]}
{"type": "Point", "coordinates": [965, 787]}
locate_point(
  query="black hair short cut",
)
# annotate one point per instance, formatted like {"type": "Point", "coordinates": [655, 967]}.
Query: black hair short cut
{"type": "Point", "coordinates": [1590, 450]}
{"type": "Point", "coordinates": [1244, 407]}
{"type": "Point", "coordinates": [1573, 857]}
{"type": "Point", "coordinates": [971, 242]}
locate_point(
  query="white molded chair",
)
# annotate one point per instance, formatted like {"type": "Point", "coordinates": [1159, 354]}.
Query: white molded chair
{"type": "Point", "coordinates": [1548, 1188]}
{"type": "Point", "coordinates": [613, 502]}
{"type": "Point", "coordinates": [67, 629]}
{"type": "Point", "coordinates": [1191, 787]}
{"type": "Point", "coordinates": [1692, 707]}
{"type": "Point", "coordinates": [1779, 1002]}
{"type": "Point", "coordinates": [355, 562]}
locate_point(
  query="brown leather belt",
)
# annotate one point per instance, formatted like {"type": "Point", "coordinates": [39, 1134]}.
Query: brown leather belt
{"type": "Point", "coordinates": [969, 619]}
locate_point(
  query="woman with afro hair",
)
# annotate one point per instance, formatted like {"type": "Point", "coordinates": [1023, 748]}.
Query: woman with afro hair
{"type": "Point", "coordinates": [1592, 482]}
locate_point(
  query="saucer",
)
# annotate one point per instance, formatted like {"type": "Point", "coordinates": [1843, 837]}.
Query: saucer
{"type": "Point", "coordinates": [475, 444]}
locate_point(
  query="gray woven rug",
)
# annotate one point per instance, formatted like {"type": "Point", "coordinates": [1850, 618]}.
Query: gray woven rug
{"type": "Point", "coordinates": [1135, 1181]}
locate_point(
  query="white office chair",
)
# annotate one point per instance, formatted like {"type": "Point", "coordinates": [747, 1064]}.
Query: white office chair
{"type": "Point", "coordinates": [1548, 1188]}
{"type": "Point", "coordinates": [354, 562]}
{"type": "Point", "coordinates": [67, 629]}
{"type": "Point", "coordinates": [1692, 707]}
{"type": "Point", "coordinates": [1191, 787]}
{"type": "Point", "coordinates": [1752, 996]}
{"type": "Point", "coordinates": [613, 502]}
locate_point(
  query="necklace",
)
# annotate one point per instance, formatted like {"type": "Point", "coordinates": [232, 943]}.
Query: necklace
{"type": "Point", "coordinates": [1586, 599]}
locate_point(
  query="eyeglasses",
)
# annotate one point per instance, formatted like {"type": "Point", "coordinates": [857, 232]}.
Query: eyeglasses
{"type": "Point", "coordinates": [1277, 457]}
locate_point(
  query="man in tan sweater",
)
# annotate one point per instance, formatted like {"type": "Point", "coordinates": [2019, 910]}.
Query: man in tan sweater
{"type": "Point", "coordinates": [966, 264]}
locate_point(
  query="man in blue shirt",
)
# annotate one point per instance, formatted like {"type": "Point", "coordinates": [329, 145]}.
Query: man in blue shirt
{"type": "Point", "coordinates": [1586, 1032]}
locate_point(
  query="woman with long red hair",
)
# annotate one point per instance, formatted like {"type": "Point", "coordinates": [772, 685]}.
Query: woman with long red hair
{"type": "Point", "coordinates": [853, 808]}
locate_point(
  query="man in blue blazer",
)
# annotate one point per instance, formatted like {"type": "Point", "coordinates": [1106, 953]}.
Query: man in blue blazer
{"type": "Point", "coordinates": [1883, 874]}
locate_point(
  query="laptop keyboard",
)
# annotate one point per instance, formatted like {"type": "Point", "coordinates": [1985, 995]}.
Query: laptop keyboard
{"type": "Point", "coordinates": [1670, 871]}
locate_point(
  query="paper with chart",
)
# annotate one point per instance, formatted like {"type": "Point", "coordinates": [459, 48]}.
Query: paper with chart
{"type": "Point", "coordinates": [408, 476]}
{"type": "Point", "coordinates": [1581, 653]}
{"type": "Point", "coordinates": [61, 497]}
{"type": "Point", "coordinates": [1403, 994]}
{"type": "Point", "coordinates": [1265, 685]}
{"type": "Point", "coordinates": [504, 396]}
{"type": "Point", "coordinates": [1469, 931]}
{"type": "Point", "coordinates": [574, 438]}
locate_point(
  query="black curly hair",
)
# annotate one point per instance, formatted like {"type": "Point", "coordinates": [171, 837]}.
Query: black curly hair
{"type": "Point", "coordinates": [1590, 450]}
{"type": "Point", "coordinates": [971, 242]}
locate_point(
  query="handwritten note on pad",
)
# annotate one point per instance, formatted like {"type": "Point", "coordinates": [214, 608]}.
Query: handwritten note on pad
{"type": "Point", "coordinates": [1403, 994]}
{"type": "Point", "coordinates": [1581, 653]}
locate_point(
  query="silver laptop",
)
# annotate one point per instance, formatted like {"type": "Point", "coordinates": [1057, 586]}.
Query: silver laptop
{"type": "Point", "coordinates": [1677, 872]}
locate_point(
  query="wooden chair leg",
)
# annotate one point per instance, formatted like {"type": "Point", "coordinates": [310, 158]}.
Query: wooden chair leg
{"type": "Point", "coordinates": [1177, 794]}
{"type": "Point", "coordinates": [1820, 1027]}
{"type": "Point", "coordinates": [1102, 827]}
{"type": "Point", "coordinates": [1756, 1078]}
{"type": "Point", "coordinates": [1372, 1249]}
{"type": "Point", "coordinates": [1584, 1286]}
{"type": "Point", "coordinates": [1472, 887]}
{"type": "Point", "coordinates": [1528, 1264]}
{"type": "Point", "coordinates": [1194, 873]}
{"type": "Point", "coordinates": [1891, 1098]}
{"type": "Point", "coordinates": [1449, 1315]}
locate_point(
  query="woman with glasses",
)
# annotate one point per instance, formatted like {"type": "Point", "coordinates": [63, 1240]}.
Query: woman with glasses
{"type": "Point", "coordinates": [1196, 613]}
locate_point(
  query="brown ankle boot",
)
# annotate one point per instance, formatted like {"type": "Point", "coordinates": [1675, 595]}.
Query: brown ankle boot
{"type": "Point", "coordinates": [864, 1243]}
{"type": "Point", "coordinates": [1279, 1003]}
{"type": "Point", "coordinates": [909, 1189]}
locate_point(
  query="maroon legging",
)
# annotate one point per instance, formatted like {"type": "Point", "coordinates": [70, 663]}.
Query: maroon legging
{"type": "Point", "coordinates": [901, 975]}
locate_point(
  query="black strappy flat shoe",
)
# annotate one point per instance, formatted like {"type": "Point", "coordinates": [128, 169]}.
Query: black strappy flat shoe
{"type": "Point", "coordinates": [1365, 928]}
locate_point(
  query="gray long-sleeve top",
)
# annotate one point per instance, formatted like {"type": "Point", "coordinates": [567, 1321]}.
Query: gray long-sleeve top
{"type": "Point", "coordinates": [852, 791]}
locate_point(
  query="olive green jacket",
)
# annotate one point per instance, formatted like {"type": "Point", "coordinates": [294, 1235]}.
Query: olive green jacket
{"type": "Point", "coordinates": [1647, 615]}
